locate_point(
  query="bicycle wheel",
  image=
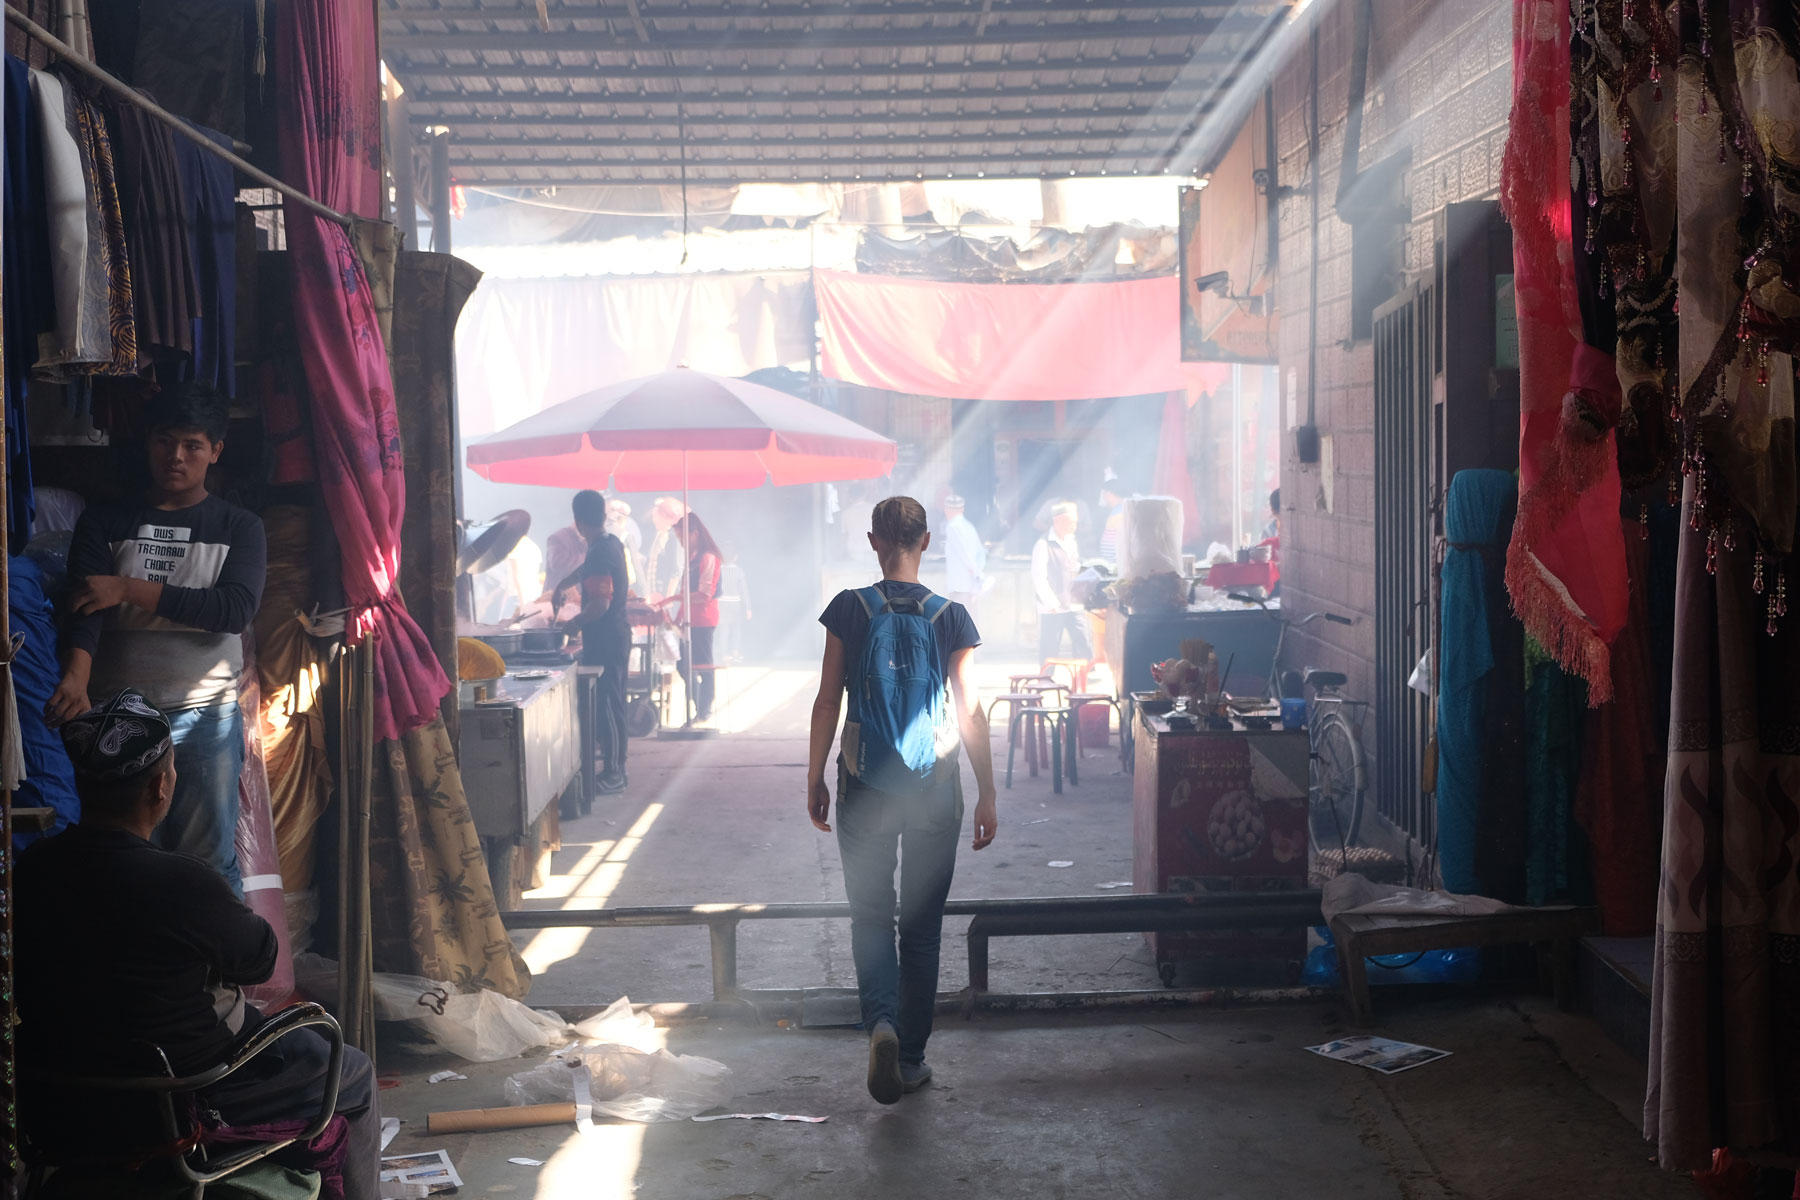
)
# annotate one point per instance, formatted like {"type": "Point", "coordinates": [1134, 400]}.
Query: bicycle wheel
{"type": "Point", "coordinates": [1338, 782]}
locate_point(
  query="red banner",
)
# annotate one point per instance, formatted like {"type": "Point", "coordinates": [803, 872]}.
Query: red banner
{"type": "Point", "coordinates": [1002, 341]}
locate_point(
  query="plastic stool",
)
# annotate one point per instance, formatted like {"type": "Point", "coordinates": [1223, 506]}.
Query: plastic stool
{"type": "Point", "coordinates": [1077, 668]}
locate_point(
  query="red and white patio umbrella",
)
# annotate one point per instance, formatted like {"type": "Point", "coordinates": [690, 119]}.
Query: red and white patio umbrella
{"type": "Point", "coordinates": [682, 429]}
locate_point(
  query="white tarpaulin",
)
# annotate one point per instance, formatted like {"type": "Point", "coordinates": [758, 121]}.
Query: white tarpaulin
{"type": "Point", "coordinates": [523, 345]}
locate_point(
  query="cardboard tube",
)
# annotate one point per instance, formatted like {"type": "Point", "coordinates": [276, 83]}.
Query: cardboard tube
{"type": "Point", "coordinates": [481, 1120]}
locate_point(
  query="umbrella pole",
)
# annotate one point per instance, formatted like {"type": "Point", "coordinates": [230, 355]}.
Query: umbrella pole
{"type": "Point", "coordinates": [687, 594]}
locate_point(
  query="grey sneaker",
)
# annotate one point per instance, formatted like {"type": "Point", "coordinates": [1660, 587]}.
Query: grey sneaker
{"type": "Point", "coordinates": [914, 1076]}
{"type": "Point", "coordinates": [884, 1064]}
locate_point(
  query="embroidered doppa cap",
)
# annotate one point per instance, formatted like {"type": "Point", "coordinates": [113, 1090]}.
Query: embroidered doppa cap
{"type": "Point", "coordinates": [120, 739]}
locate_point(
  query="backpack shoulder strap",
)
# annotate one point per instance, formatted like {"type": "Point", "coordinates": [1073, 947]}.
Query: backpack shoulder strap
{"type": "Point", "coordinates": [872, 600]}
{"type": "Point", "coordinates": [935, 607]}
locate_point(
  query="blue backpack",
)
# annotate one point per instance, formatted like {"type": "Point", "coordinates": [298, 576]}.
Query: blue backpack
{"type": "Point", "coordinates": [897, 695]}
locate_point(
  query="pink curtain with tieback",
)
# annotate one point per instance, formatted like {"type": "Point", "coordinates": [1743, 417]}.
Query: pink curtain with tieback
{"type": "Point", "coordinates": [330, 142]}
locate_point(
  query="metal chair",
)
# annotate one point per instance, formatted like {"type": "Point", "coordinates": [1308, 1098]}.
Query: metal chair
{"type": "Point", "coordinates": [71, 1147]}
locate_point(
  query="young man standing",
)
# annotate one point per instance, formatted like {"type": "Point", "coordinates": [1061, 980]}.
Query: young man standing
{"type": "Point", "coordinates": [605, 632]}
{"type": "Point", "coordinates": [161, 591]}
{"type": "Point", "coordinates": [918, 824]}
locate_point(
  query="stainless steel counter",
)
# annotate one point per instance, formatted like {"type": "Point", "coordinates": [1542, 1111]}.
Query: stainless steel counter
{"type": "Point", "coordinates": [520, 749]}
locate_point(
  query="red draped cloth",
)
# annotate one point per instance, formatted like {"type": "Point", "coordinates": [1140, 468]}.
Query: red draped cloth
{"type": "Point", "coordinates": [330, 143]}
{"type": "Point", "coordinates": [1005, 341]}
{"type": "Point", "coordinates": [1565, 568]}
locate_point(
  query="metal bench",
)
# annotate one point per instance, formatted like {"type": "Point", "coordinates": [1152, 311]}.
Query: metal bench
{"type": "Point", "coordinates": [1021, 917]}
{"type": "Point", "coordinates": [1359, 936]}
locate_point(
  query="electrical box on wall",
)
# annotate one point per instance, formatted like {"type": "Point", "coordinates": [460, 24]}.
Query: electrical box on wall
{"type": "Point", "coordinates": [1306, 443]}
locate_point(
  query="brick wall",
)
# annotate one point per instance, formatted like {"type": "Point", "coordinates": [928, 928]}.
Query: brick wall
{"type": "Point", "coordinates": [1440, 78]}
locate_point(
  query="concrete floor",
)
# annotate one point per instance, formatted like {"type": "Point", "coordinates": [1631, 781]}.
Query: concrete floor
{"type": "Point", "coordinates": [725, 821]}
{"type": "Point", "coordinates": [1217, 1103]}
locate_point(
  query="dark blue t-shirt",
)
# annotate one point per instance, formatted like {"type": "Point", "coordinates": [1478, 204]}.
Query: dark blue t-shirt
{"type": "Point", "coordinates": [846, 617]}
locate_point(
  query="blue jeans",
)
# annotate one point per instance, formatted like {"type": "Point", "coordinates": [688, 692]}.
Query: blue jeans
{"type": "Point", "coordinates": [209, 758]}
{"type": "Point", "coordinates": [873, 829]}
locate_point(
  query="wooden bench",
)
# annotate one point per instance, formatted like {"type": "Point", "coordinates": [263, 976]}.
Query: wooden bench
{"type": "Point", "coordinates": [1359, 936]}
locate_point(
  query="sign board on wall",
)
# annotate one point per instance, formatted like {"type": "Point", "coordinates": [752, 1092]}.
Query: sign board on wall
{"type": "Point", "coordinates": [1227, 280]}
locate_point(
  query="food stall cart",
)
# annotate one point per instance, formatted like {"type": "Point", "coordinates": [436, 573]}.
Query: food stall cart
{"type": "Point", "coordinates": [520, 751]}
{"type": "Point", "coordinates": [1221, 811]}
{"type": "Point", "coordinates": [1243, 636]}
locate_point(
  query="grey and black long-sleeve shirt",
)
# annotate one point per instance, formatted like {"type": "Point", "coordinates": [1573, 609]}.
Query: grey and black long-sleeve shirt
{"type": "Point", "coordinates": [210, 559]}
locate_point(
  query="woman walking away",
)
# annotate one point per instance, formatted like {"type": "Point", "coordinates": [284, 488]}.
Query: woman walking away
{"type": "Point", "coordinates": [907, 659]}
{"type": "Point", "coordinates": [704, 566]}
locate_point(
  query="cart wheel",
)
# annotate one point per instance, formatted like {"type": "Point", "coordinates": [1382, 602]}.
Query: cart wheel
{"type": "Point", "coordinates": [641, 718]}
{"type": "Point", "coordinates": [1167, 972]}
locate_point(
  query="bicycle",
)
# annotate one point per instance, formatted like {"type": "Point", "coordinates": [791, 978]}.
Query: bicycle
{"type": "Point", "coordinates": [1339, 777]}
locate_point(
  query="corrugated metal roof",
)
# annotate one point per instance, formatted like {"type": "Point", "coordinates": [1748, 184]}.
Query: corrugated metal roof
{"type": "Point", "coordinates": [623, 91]}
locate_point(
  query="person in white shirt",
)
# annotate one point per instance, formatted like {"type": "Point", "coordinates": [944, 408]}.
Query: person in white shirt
{"type": "Point", "coordinates": [1055, 561]}
{"type": "Point", "coordinates": [964, 556]}
{"type": "Point", "coordinates": [621, 526]}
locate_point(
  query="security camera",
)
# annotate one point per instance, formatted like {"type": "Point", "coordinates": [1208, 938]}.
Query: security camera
{"type": "Point", "coordinates": [1218, 281]}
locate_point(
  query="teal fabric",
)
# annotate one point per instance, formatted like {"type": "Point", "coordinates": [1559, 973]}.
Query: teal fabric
{"type": "Point", "coordinates": [1474, 521]}
{"type": "Point", "coordinates": [1556, 858]}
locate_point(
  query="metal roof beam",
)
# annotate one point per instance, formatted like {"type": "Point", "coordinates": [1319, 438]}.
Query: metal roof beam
{"type": "Point", "coordinates": [972, 162]}
{"type": "Point", "coordinates": [419, 97]}
{"type": "Point", "coordinates": [471, 125]}
{"type": "Point", "coordinates": [705, 77]}
{"type": "Point", "coordinates": [997, 33]}
{"type": "Point", "coordinates": [780, 141]}
{"type": "Point", "coordinates": [402, 19]}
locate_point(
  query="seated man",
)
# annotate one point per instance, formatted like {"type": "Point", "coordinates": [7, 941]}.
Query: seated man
{"type": "Point", "coordinates": [120, 943]}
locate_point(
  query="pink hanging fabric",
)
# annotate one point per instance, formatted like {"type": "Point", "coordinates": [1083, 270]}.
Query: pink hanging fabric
{"type": "Point", "coordinates": [1565, 568]}
{"type": "Point", "coordinates": [330, 142]}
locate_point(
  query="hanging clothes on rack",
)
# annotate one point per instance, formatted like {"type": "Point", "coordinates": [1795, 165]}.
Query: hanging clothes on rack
{"type": "Point", "coordinates": [94, 141]}
{"type": "Point", "coordinates": [49, 779]}
{"type": "Point", "coordinates": [164, 292]}
{"type": "Point", "coordinates": [29, 304]}
{"type": "Point", "coordinates": [79, 338]}
{"type": "Point", "coordinates": [209, 186]}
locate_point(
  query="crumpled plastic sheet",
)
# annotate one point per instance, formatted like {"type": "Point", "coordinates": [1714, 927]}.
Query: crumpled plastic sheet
{"type": "Point", "coordinates": [1352, 893]}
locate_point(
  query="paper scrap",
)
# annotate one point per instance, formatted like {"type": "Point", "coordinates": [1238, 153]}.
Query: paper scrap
{"type": "Point", "coordinates": [389, 1127]}
{"type": "Point", "coordinates": [1119, 883]}
{"type": "Point", "coordinates": [441, 1076]}
{"type": "Point", "coordinates": [433, 1170]}
{"type": "Point", "coordinates": [1378, 1053]}
{"type": "Point", "coordinates": [763, 1117]}
{"type": "Point", "coordinates": [1060, 862]}
{"type": "Point", "coordinates": [527, 1162]}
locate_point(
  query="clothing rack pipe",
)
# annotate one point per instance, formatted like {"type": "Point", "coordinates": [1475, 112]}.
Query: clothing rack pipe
{"type": "Point", "coordinates": [68, 54]}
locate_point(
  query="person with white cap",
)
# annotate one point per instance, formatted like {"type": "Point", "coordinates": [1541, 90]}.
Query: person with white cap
{"type": "Point", "coordinates": [1055, 561]}
{"type": "Point", "coordinates": [965, 558]}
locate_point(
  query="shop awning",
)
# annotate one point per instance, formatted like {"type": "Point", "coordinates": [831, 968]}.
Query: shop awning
{"type": "Point", "coordinates": [1006, 341]}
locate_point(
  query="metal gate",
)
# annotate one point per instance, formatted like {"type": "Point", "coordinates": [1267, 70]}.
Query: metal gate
{"type": "Point", "coordinates": [1408, 358]}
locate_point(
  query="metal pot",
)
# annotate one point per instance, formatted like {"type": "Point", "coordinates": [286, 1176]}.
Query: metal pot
{"type": "Point", "coordinates": [537, 641]}
{"type": "Point", "coordinates": [506, 643]}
